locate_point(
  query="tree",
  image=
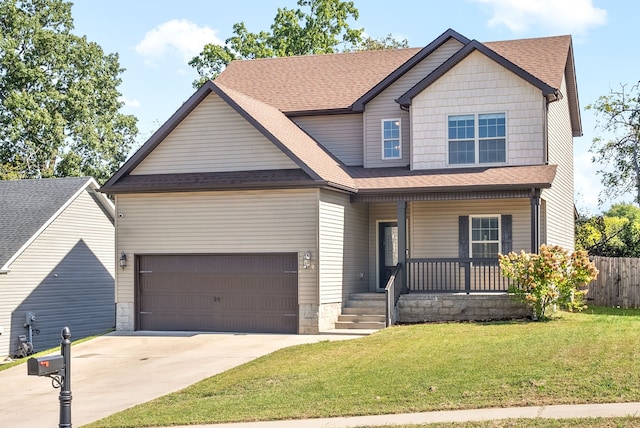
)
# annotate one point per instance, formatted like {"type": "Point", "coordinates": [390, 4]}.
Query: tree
{"type": "Point", "coordinates": [619, 115]}
{"type": "Point", "coordinates": [320, 30]}
{"type": "Point", "coordinates": [59, 99]}
{"type": "Point", "coordinates": [616, 233]}
{"type": "Point", "coordinates": [381, 43]}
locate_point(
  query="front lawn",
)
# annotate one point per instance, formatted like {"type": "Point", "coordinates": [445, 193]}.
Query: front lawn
{"type": "Point", "coordinates": [590, 357]}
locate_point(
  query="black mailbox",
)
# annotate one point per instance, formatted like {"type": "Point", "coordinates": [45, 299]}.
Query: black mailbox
{"type": "Point", "coordinates": [43, 366]}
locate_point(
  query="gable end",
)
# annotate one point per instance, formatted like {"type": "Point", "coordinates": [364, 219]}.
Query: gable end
{"type": "Point", "coordinates": [405, 99]}
{"type": "Point", "coordinates": [358, 105]}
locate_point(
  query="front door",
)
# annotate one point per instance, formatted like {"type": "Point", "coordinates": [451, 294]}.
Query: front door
{"type": "Point", "coordinates": [387, 251]}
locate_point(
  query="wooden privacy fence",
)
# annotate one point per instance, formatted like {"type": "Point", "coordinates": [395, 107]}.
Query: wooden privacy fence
{"type": "Point", "coordinates": [617, 284]}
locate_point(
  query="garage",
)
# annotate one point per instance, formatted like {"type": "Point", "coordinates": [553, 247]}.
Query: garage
{"type": "Point", "coordinates": [256, 293]}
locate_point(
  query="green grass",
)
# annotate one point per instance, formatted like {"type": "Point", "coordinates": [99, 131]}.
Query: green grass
{"type": "Point", "coordinates": [591, 357]}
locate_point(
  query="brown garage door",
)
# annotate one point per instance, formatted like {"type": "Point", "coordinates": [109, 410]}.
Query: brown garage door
{"type": "Point", "coordinates": [229, 292]}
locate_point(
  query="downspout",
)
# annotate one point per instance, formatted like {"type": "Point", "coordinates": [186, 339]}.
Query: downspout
{"type": "Point", "coordinates": [545, 131]}
{"type": "Point", "coordinates": [555, 96]}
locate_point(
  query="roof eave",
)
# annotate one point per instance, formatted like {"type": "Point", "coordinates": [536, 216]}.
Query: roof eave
{"type": "Point", "coordinates": [572, 89]}
{"type": "Point", "coordinates": [319, 112]}
{"type": "Point", "coordinates": [213, 188]}
{"type": "Point", "coordinates": [451, 189]}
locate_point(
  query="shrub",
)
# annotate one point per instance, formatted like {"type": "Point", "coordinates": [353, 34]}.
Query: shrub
{"type": "Point", "coordinates": [551, 277]}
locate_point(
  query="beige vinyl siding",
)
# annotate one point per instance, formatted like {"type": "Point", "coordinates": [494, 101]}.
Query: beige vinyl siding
{"type": "Point", "coordinates": [384, 107]}
{"type": "Point", "coordinates": [214, 138]}
{"type": "Point", "coordinates": [559, 199]}
{"type": "Point", "coordinates": [217, 223]}
{"type": "Point", "coordinates": [65, 276]}
{"type": "Point", "coordinates": [340, 134]}
{"type": "Point", "coordinates": [343, 237]}
{"type": "Point", "coordinates": [478, 85]}
{"type": "Point", "coordinates": [434, 225]}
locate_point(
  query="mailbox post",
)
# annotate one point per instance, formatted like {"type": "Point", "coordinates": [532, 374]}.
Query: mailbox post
{"type": "Point", "coordinates": [65, 391]}
{"type": "Point", "coordinates": [58, 368]}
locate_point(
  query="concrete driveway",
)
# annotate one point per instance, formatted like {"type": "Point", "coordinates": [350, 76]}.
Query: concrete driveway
{"type": "Point", "coordinates": [119, 370]}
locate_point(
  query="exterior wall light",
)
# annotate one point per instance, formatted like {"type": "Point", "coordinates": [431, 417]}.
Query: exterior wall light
{"type": "Point", "coordinates": [123, 260]}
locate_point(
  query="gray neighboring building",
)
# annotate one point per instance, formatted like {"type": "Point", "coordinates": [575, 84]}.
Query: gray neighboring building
{"type": "Point", "coordinates": [56, 260]}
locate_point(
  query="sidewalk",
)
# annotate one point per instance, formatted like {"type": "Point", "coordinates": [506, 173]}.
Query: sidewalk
{"type": "Point", "coordinates": [547, 412]}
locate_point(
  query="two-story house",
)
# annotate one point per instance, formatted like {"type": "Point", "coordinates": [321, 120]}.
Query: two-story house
{"type": "Point", "coordinates": [287, 185]}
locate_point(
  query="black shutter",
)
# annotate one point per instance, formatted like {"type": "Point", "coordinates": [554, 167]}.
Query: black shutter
{"type": "Point", "coordinates": [463, 236]}
{"type": "Point", "coordinates": [507, 235]}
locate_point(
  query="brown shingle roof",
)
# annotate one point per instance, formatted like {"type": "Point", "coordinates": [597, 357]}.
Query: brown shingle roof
{"type": "Point", "coordinates": [336, 81]}
{"type": "Point", "coordinates": [443, 180]}
{"type": "Point", "coordinates": [204, 181]}
{"type": "Point", "coordinates": [543, 57]}
{"type": "Point", "coordinates": [292, 140]}
{"type": "Point", "coordinates": [313, 82]}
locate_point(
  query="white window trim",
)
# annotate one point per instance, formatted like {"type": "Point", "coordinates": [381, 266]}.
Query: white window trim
{"type": "Point", "coordinates": [476, 139]}
{"type": "Point", "coordinates": [382, 139]}
{"type": "Point", "coordinates": [471, 241]}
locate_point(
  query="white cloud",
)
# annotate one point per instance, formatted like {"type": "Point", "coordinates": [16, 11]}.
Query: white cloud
{"type": "Point", "coordinates": [176, 37]}
{"type": "Point", "coordinates": [134, 103]}
{"type": "Point", "coordinates": [559, 16]}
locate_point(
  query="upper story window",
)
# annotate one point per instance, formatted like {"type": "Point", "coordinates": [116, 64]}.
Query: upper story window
{"type": "Point", "coordinates": [478, 138]}
{"type": "Point", "coordinates": [485, 236]}
{"type": "Point", "coordinates": [391, 139]}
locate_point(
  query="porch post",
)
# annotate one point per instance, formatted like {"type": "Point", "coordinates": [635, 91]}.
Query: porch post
{"type": "Point", "coordinates": [535, 220]}
{"type": "Point", "coordinates": [402, 243]}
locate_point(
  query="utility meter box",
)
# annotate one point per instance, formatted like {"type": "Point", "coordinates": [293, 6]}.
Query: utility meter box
{"type": "Point", "coordinates": [43, 366]}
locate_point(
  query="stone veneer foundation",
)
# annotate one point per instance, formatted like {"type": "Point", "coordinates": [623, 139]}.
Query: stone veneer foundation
{"type": "Point", "coordinates": [417, 307]}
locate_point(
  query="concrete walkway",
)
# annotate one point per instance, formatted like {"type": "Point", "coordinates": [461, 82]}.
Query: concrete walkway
{"type": "Point", "coordinates": [548, 412]}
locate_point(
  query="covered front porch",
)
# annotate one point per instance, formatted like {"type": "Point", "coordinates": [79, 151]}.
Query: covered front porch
{"type": "Point", "coordinates": [435, 254]}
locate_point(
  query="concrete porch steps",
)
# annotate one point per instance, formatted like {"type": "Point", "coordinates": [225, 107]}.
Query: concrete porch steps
{"type": "Point", "coordinates": [363, 311]}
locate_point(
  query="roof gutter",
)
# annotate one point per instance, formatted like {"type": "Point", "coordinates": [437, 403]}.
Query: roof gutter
{"type": "Point", "coordinates": [448, 189]}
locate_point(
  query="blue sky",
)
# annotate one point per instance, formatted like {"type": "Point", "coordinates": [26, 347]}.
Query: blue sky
{"type": "Point", "coordinates": [156, 38]}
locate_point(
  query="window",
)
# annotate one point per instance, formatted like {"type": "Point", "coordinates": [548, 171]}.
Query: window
{"type": "Point", "coordinates": [485, 236]}
{"type": "Point", "coordinates": [480, 139]}
{"type": "Point", "coordinates": [391, 139]}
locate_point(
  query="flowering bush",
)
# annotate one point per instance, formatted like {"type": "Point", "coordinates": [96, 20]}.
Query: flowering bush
{"type": "Point", "coordinates": [551, 277]}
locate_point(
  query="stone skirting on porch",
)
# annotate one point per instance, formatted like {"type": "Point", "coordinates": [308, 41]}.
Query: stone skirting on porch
{"type": "Point", "coordinates": [432, 307]}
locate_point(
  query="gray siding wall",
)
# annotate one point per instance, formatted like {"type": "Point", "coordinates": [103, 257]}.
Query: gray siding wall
{"type": "Point", "coordinates": [214, 138]}
{"type": "Point", "coordinates": [340, 134]}
{"type": "Point", "coordinates": [385, 107]}
{"type": "Point", "coordinates": [66, 276]}
{"type": "Point", "coordinates": [559, 199]}
{"type": "Point", "coordinates": [344, 248]}
{"type": "Point", "coordinates": [217, 222]}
